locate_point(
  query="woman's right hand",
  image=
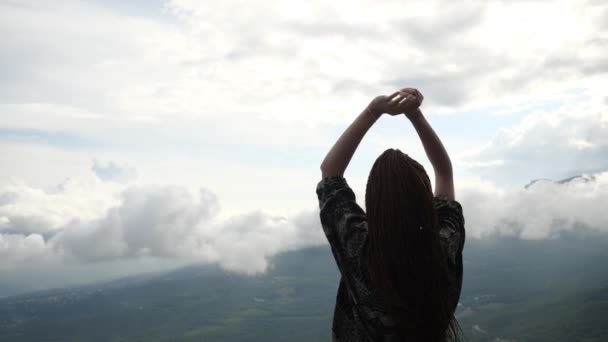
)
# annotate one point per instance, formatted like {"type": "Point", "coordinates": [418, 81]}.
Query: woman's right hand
{"type": "Point", "coordinates": [386, 104]}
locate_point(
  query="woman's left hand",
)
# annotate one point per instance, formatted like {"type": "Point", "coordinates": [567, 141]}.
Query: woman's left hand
{"type": "Point", "coordinates": [410, 101]}
{"type": "Point", "coordinates": [386, 104]}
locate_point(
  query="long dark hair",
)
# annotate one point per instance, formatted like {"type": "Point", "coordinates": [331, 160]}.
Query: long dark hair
{"type": "Point", "coordinates": [406, 262]}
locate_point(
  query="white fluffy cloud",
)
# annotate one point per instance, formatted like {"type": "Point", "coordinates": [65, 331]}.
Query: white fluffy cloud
{"type": "Point", "coordinates": [16, 249]}
{"type": "Point", "coordinates": [541, 210]}
{"type": "Point", "coordinates": [561, 143]}
{"type": "Point", "coordinates": [146, 221]}
{"type": "Point", "coordinates": [170, 222]}
{"type": "Point", "coordinates": [465, 54]}
{"type": "Point", "coordinates": [282, 61]}
{"type": "Point", "coordinates": [30, 210]}
{"type": "Point", "coordinates": [550, 143]}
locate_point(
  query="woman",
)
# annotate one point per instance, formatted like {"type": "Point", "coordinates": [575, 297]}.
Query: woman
{"type": "Point", "coordinates": [401, 262]}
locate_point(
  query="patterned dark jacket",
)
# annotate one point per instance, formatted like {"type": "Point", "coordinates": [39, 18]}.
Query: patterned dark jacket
{"type": "Point", "coordinates": [359, 314]}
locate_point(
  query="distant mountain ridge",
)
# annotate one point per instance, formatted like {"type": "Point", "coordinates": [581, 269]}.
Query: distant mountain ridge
{"type": "Point", "coordinates": [582, 177]}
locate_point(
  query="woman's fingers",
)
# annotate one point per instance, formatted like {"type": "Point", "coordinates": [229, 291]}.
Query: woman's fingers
{"type": "Point", "coordinates": [407, 99]}
{"type": "Point", "coordinates": [413, 92]}
{"type": "Point", "coordinates": [394, 96]}
{"type": "Point", "coordinates": [402, 101]}
{"type": "Point", "coordinates": [409, 91]}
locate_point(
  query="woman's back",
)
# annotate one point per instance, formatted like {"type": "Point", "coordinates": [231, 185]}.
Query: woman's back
{"type": "Point", "coordinates": [361, 312]}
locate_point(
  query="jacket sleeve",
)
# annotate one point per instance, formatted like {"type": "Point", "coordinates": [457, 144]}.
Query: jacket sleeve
{"type": "Point", "coordinates": [452, 236]}
{"type": "Point", "coordinates": [345, 226]}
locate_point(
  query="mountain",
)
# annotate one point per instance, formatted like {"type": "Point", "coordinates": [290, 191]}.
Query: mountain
{"type": "Point", "coordinates": [578, 178]}
{"type": "Point", "coordinates": [514, 290]}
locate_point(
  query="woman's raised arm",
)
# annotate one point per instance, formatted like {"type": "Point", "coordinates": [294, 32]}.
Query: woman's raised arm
{"type": "Point", "coordinates": [338, 158]}
{"type": "Point", "coordinates": [437, 154]}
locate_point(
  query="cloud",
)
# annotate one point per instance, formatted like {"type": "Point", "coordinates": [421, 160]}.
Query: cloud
{"type": "Point", "coordinates": [21, 248]}
{"type": "Point", "coordinates": [568, 141]}
{"type": "Point", "coordinates": [542, 210]}
{"type": "Point", "coordinates": [309, 63]}
{"type": "Point", "coordinates": [166, 222]}
{"type": "Point", "coordinates": [29, 210]}
{"type": "Point", "coordinates": [112, 171]}
{"type": "Point", "coordinates": [202, 80]}
{"type": "Point", "coordinates": [170, 222]}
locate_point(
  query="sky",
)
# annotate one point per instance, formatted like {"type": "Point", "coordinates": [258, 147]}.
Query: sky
{"type": "Point", "coordinates": [145, 135]}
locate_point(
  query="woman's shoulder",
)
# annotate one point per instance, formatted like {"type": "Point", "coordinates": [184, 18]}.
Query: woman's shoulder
{"type": "Point", "coordinates": [443, 201]}
{"type": "Point", "coordinates": [329, 184]}
{"type": "Point", "coordinates": [451, 225]}
{"type": "Point", "coordinates": [449, 212]}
